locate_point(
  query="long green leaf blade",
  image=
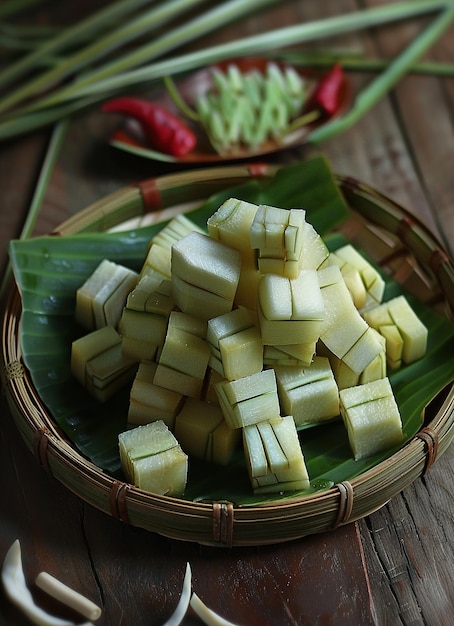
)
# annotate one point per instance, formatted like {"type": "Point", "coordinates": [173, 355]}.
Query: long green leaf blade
{"type": "Point", "coordinates": [256, 44]}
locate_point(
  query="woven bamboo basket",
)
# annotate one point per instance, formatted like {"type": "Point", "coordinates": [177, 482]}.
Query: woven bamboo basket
{"type": "Point", "coordinates": [394, 238]}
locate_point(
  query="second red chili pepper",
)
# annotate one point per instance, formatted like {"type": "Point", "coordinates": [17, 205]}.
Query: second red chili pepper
{"type": "Point", "coordinates": [327, 95]}
{"type": "Point", "coordinates": [164, 131]}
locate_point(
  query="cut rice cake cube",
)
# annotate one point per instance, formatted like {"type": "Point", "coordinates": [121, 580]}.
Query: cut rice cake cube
{"type": "Point", "coordinates": [344, 332]}
{"type": "Point", "coordinates": [158, 260]}
{"type": "Point", "coordinates": [364, 351]}
{"type": "Point", "coordinates": [142, 441]}
{"type": "Point", "coordinates": [343, 374]}
{"type": "Point", "coordinates": [183, 360]}
{"type": "Point", "coordinates": [315, 251]}
{"type": "Point", "coordinates": [109, 372]}
{"type": "Point", "coordinates": [159, 251]}
{"type": "Point", "coordinates": [355, 285]}
{"type": "Point", "coordinates": [290, 310]}
{"type": "Point", "coordinates": [230, 224]}
{"type": "Point", "coordinates": [170, 378]}
{"type": "Point", "coordinates": [378, 317]}
{"type": "Point", "coordinates": [272, 356]}
{"type": "Point", "coordinates": [353, 280]}
{"type": "Point", "coordinates": [277, 228]}
{"type": "Point", "coordinates": [258, 227]}
{"type": "Point", "coordinates": [194, 426]}
{"type": "Point", "coordinates": [394, 345]}
{"type": "Point", "coordinates": [235, 343]}
{"type": "Point", "coordinates": [410, 327]}
{"type": "Point", "coordinates": [247, 290]}
{"type": "Point", "coordinates": [164, 473]}
{"type": "Point", "coordinates": [143, 324]}
{"type": "Point", "coordinates": [185, 352]}
{"type": "Point", "coordinates": [282, 332]}
{"type": "Point", "coordinates": [371, 417]}
{"type": "Point", "coordinates": [307, 302]}
{"type": "Point", "coordinates": [188, 323]}
{"type": "Point", "coordinates": [297, 298]}
{"type": "Point", "coordinates": [277, 235]}
{"type": "Point", "coordinates": [405, 334]}
{"type": "Point", "coordinates": [203, 433]}
{"type": "Point", "coordinates": [373, 282]}
{"type": "Point", "coordinates": [309, 394]}
{"type": "Point", "coordinates": [294, 235]}
{"type": "Point", "coordinates": [177, 228]}
{"type": "Point", "coordinates": [275, 297]}
{"type": "Point", "coordinates": [149, 402]}
{"type": "Point", "coordinates": [205, 275]}
{"type": "Point", "coordinates": [197, 301]}
{"type": "Point", "coordinates": [249, 400]}
{"type": "Point", "coordinates": [303, 352]}
{"type": "Point", "coordinates": [89, 346]}
{"type": "Point", "coordinates": [375, 285]}
{"type": "Point", "coordinates": [255, 452]}
{"type": "Point", "coordinates": [299, 355]}
{"type": "Point", "coordinates": [100, 300]}
{"type": "Point", "coordinates": [342, 324]}
{"type": "Point", "coordinates": [142, 333]}
{"type": "Point", "coordinates": [346, 377]}
{"type": "Point", "coordinates": [146, 285]}
{"type": "Point", "coordinates": [201, 260]}
{"type": "Point", "coordinates": [98, 363]}
{"type": "Point", "coordinates": [274, 456]}
{"type": "Point", "coordinates": [152, 459]}
{"type": "Point", "coordinates": [152, 295]}
{"type": "Point", "coordinates": [412, 330]}
{"type": "Point", "coordinates": [242, 353]}
{"type": "Point", "coordinates": [153, 273]}
{"type": "Point", "coordinates": [377, 368]}
{"type": "Point", "coordinates": [224, 442]}
{"type": "Point", "coordinates": [228, 324]}
{"type": "Point", "coordinates": [108, 303]}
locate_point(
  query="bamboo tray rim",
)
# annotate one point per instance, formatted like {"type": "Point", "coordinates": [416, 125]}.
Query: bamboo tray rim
{"type": "Point", "coordinates": [222, 523]}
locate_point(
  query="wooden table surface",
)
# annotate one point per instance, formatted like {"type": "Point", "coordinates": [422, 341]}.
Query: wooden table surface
{"type": "Point", "coordinates": [394, 567]}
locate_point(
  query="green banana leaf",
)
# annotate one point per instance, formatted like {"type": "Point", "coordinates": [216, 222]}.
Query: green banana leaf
{"type": "Point", "coordinates": [49, 270]}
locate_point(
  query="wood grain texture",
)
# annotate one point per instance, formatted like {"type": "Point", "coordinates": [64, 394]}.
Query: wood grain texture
{"type": "Point", "coordinates": [409, 551]}
{"type": "Point", "coordinates": [136, 576]}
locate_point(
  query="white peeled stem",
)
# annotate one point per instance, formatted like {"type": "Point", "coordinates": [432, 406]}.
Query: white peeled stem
{"type": "Point", "coordinates": [68, 596]}
{"type": "Point", "coordinates": [207, 615]}
{"type": "Point", "coordinates": [16, 589]}
{"type": "Point", "coordinates": [177, 616]}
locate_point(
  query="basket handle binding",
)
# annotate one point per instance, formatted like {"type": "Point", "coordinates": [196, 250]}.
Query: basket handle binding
{"type": "Point", "coordinates": [345, 503]}
{"type": "Point", "coordinates": [430, 438]}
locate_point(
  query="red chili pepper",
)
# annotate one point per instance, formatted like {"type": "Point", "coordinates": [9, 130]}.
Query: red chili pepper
{"type": "Point", "coordinates": [327, 94]}
{"type": "Point", "coordinates": [164, 131]}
